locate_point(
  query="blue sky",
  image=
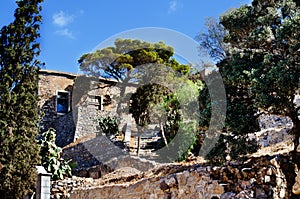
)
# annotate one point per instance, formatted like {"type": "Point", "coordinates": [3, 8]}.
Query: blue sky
{"type": "Point", "coordinates": [71, 28]}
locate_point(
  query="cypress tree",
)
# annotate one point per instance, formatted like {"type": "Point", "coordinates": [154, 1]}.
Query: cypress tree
{"type": "Point", "coordinates": [19, 152]}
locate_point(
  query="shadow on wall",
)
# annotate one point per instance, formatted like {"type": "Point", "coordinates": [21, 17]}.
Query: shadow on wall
{"type": "Point", "coordinates": [65, 129]}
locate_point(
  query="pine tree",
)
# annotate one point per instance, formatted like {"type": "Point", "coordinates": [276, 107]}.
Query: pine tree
{"type": "Point", "coordinates": [19, 152]}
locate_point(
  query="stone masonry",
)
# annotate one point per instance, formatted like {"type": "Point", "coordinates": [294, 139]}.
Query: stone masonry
{"type": "Point", "coordinates": [84, 99]}
{"type": "Point", "coordinates": [50, 82]}
{"type": "Point", "coordinates": [265, 177]}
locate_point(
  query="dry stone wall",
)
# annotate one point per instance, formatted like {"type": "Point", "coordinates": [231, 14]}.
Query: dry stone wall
{"type": "Point", "coordinates": [187, 184]}
{"type": "Point", "coordinates": [262, 178]}
{"type": "Point", "coordinates": [191, 183]}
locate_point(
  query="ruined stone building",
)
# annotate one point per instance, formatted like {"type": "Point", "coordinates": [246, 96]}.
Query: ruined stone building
{"type": "Point", "coordinates": [71, 103]}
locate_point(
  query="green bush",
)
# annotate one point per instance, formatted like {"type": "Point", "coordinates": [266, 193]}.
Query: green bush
{"type": "Point", "coordinates": [234, 146]}
{"type": "Point", "coordinates": [51, 156]}
{"type": "Point", "coordinates": [108, 125]}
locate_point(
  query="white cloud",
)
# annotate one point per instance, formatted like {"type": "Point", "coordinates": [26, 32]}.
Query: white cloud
{"type": "Point", "coordinates": [66, 32]}
{"type": "Point", "coordinates": [62, 19]}
{"type": "Point", "coordinates": [173, 5]}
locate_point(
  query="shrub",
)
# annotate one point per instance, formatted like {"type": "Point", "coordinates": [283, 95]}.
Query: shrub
{"type": "Point", "coordinates": [108, 125]}
{"type": "Point", "coordinates": [51, 156]}
{"type": "Point", "coordinates": [234, 146]}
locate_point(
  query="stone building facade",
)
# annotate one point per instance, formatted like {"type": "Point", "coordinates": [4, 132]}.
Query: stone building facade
{"type": "Point", "coordinates": [71, 103]}
{"type": "Point", "coordinates": [55, 89]}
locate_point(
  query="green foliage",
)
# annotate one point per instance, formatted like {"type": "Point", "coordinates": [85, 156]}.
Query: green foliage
{"type": "Point", "coordinates": [19, 152]}
{"type": "Point", "coordinates": [154, 103]}
{"type": "Point", "coordinates": [182, 104]}
{"type": "Point", "coordinates": [188, 141]}
{"type": "Point", "coordinates": [263, 62]}
{"type": "Point", "coordinates": [171, 106]}
{"type": "Point", "coordinates": [108, 125]}
{"type": "Point", "coordinates": [240, 120]}
{"type": "Point", "coordinates": [236, 146]}
{"type": "Point", "coordinates": [126, 54]}
{"type": "Point", "coordinates": [51, 156]}
{"type": "Point", "coordinates": [261, 67]}
{"type": "Point", "coordinates": [144, 99]}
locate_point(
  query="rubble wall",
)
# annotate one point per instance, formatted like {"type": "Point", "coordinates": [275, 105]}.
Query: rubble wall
{"type": "Point", "coordinates": [264, 177]}
{"type": "Point", "coordinates": [186, 184]}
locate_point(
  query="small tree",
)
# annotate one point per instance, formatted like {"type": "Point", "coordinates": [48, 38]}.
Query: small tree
{"type": "Point", "coordinates": [154, 103]}
{"type": "Point", "coordinates": [142, 101]}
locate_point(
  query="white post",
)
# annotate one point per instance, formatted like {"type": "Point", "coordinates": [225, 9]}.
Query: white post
{"type": "Point", "coordinates": [43, 183]}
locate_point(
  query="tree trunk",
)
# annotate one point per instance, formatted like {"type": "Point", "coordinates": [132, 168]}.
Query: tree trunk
{"type": "Point", "coordinates": [163, 133]}
{"type": "Point", "coordinates": [295, 153]}
{"type": "Point", "coordinates": [139, 129]}
{"type": "Point", "coordinates": [296, 131]}
{"type": "Point", "coordinates": [139, 145]}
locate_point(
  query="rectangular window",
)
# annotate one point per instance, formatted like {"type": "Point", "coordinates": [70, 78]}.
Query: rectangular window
{"type": "Point", "coordinates": [100, 102]}
{"type": "Point", "coordinates": [97, 101]}
{"type": "Point", "coordinates": [62, 102]}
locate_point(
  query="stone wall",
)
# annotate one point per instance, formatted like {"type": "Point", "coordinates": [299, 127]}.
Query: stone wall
{"type": "Point", "coordinates": [92, 104]}
{"type": "Point", "coordinates": [190, 183]}
{"type": "Point", "coordinates": [49, 83]}
{"type": "Point", "coordinates": [87, 110]}
{"type": "Point", "coordinates": [187, 184]}
{"type": "Point", "coordinates": [263, 177]}
{"type": "Point", "coordinates": [65, 129]}
{"type": "Point", "coordinates": [89, 99]}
